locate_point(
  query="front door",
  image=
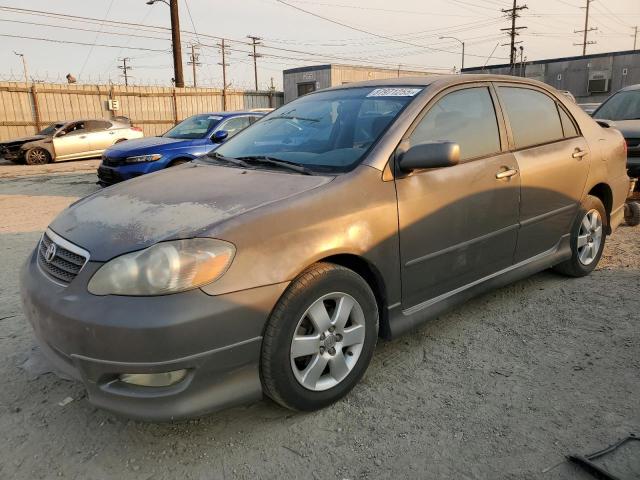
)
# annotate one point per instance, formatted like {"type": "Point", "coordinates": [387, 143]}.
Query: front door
{"type": "Point", "coordinates": [73, 143]}
{"type": "Point", "coordinates": [554, 165]}
{"type": "Point", "coordinates": [458, 224]}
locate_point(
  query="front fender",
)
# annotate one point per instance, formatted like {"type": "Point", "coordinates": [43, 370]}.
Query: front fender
{"type": "Point", "coordinates": [47, 144]}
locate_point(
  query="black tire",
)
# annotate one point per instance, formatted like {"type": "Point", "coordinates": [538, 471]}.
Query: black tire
{"type": "Point", "coordinates": [276, 370]}
{"type": "Point", "coordinates": [632, 213]}
{"type": "Point", "coordinates": [178, 161]}
{"type": "Point", "coordinates": [574, 267]}
{"type": "Point", "coordinates": [37, 156]}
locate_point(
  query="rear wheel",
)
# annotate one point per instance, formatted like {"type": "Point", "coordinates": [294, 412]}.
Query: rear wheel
{"type": "Point", "coordinates": [632, 213]}
{"type": "Point", "coordinates": [588, 237]}
{"type": "Point", "coordinates": [319, 339]}
{"type": "Point", "coordinates": [37, 156]}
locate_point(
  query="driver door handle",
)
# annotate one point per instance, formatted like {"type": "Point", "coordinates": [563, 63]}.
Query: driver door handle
{"type": "Point", "coordinates": [506, 173]}
{"type": "Point", "coordinates": [579, 153]}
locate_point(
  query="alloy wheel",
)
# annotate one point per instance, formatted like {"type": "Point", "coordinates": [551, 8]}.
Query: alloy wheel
{"type": "Point", "coordinates": [327, 341]}
{"type": "Point", "coordinates": [589, 237]}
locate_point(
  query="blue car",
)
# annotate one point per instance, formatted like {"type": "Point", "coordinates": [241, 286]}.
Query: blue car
{"type": "Point", "coordinates": [191, 138]}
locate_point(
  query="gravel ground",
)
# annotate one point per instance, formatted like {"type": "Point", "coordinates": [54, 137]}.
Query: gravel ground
{"type": "Point", "coordinates": [500, 388]}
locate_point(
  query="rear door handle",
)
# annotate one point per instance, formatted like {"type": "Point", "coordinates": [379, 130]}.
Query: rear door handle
{"type": "Point", "coordinates": [579, 153]}
{"type": "Point", "coordinates": [506, 173]}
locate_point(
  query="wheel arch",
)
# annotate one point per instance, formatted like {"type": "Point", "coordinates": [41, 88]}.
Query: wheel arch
{"type": "Point", "coordinates": [374, 279]}
{"type": "Point", "coordinates": [605, 194]}
{"type": "Point", "coordinates": [184, 157]}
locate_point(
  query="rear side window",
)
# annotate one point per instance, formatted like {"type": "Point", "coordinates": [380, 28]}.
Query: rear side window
{"type": "Point", "coordinates": [568, 126]}
{"type": "Point", "coordinates": [466, 117]}
{"type": "Point", "coordinates": [533, 116]}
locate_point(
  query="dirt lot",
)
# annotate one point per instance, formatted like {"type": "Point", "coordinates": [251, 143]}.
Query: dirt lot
{"type": "Point", "coordinates": [501, 388]}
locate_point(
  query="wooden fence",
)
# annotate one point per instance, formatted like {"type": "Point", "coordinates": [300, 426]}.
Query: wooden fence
{"type": "Point", "coordinates": [26, 109]}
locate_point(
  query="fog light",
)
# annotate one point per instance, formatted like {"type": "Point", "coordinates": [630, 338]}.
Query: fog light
{"type": "Point", "coordinates": [163, 379]}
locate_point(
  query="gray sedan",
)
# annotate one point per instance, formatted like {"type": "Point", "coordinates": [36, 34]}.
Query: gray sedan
{"type": "Point", "coordinates": [273, 265]}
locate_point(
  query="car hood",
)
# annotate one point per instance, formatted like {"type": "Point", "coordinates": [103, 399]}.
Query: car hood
{"type": "Point", "coordinates": [148, 145]}
{"type": "Point", "coordinates": [628, 128]}
{"type": "Point", "coordinates": [181, 202]}
{"type": "Point", "coordinates": [18, 141]}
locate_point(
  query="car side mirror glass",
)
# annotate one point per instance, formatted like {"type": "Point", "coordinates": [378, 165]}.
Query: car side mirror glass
{"type": "Point", "coordinates": [429, 155]}
{"type": "Point", "coordinates": [220, 136]}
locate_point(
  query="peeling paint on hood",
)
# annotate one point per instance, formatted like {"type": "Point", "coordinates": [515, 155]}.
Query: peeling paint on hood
{"type": "Point", "coordinates": [181, 202]}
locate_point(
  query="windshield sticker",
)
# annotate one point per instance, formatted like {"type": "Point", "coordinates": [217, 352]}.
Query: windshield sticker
{"type": "Point", "coordinates": [394, 92]}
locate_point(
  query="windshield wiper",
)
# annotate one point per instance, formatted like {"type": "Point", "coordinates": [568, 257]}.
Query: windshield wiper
{"type": "Point", "coordinates": [292, 117]}
{"type": "Point", "coordinates": [276, 162]}
{"type": "Point", "coordinates": [235, 161]}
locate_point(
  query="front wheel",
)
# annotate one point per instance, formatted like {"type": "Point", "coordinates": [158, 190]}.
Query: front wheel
{"type": "Point", "coordinates": [319, 339]}
{"type": "Point", "coordinates": [37, 156]}
{"type": "Point", "coordinates": [588, 237]}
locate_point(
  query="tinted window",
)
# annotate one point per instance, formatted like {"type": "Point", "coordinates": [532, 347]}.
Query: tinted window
{"type": "Point", "coordinates": [235, 125]}
{"type": "Point", "coordinates": [623, 105]}
{"type": "Point", "coordinates": [94, 125]}
{"type": "Point", "coordinates": [466, 117]}
{"type": "Point", "coordinates": [533, 116]}
{"type": "Point", "coordinates": [568, 126]}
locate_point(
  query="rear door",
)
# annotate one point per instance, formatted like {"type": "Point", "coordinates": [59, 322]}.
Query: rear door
{"type": "Point", "coordinates": [458, 224]}
{"type": "Point", "coordinates": [101, 135]}
{"type": "Point", "coordinates": [554, 164]}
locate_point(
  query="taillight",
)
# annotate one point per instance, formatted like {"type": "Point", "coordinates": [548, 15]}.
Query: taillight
{"type": "Point", "coordinates": [136, 129]}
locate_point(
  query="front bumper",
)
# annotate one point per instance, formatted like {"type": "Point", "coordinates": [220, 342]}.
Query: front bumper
{"type": "Point", "coordinates": [109, 175]}
{"type": "Point", "coordinates": [97, 338]}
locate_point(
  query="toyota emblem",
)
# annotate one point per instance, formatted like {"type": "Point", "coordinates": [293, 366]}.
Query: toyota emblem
{"type": "Point", "coordinates": [50, 253]}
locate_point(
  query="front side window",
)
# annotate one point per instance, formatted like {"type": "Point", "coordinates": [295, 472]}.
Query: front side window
{"type": "Point", "coordinates": [51, 129]}
{"type": "Point", "coordinates": [466, 117]}
{"type": "Point", "coordinates": [533, 116]}
{"type": "Point", "coordinates": [623, 105]}
{"type": "Point", "coordinates": [194, 127]}
{"type": "Point", "coordinates": [329, 131]}
{"type": "Point", "coordinates": [235, 125]}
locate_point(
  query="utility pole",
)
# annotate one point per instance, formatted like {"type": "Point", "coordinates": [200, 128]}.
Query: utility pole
{"type": "Point", "coordinates": [586, 30]}
{"type": "Point", "coordinates": [194, 62]}
{"type": "Point", "coordinates": [24, 65]}
{"type": "Point", "coordinates": [178, 76]}
{"type": "Point", "coordinates": [513, 30]}
{"type": "Point", "coordinates": [224, 64]}
{"type": "Point", "coordinates": [461, 43]}
{"type": "Point", "coordinates": [125, 68]}
{"type": "Point", "coordinates": [255, 41]}
{"type": "Point", "coordinates": [635, 37]}
{"type": "Point", "coordinates": [521, 60]}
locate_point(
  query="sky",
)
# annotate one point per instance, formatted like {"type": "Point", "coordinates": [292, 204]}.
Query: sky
{"type": "Point", "coordinates": [403, 33]}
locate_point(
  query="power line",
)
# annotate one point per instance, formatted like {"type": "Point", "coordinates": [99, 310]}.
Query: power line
{"type": "Point", "coordinates": [84, 64]}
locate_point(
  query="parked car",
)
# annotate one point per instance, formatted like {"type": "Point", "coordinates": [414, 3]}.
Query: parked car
{"type": "Point", "coordinates": [191, 138]}
{"type": "Point", "coordinates": [69, 141]}
{"type": "Point", "coordinates": [622, 111]}
{"type": "Point", "coordinates": [272, 265]}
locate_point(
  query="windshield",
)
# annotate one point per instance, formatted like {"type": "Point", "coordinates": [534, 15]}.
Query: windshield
{"type": "Point", "coordinates": [51, 129]}
{"type": "Point", "coordinates": [622, 106]}
{"type": "Point", "coordinates": [194, 127]}
{"type": "Point", "coordinates": [329, 131]}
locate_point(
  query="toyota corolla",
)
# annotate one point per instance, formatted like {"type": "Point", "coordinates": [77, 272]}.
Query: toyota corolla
{"type": "Point", "coordinates": [273, 265]}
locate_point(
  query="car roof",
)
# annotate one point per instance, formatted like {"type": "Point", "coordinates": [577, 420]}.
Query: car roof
{"type": "Point", "coordinates": [441, 80]}
{"type": "Point", "coordinates": [631, 87]}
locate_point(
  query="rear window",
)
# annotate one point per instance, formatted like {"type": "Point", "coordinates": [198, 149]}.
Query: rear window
{"type": "Point", "coordinates": [568, 126]}
{"type": "Point", "coordinates": [533, 116]}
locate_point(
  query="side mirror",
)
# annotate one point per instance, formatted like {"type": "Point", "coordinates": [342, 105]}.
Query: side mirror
{"type": "Point", "coordinates": [61, 133]}
{"type": "Point", "coordinates": [429, 155]}
{"type": "Point", "coordinates": [220, 136]}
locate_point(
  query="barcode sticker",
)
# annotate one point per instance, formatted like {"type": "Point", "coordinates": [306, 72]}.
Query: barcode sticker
{"type": "Point", "coordinates": [394, 92]}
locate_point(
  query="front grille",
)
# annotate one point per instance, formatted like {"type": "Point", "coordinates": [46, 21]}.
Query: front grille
{"type": "Point", "coordinates": [111, 161]}
{"type": "Point", "coordinates": [109, 176]}
{"type": "Point", "coordinates": [64, 266]}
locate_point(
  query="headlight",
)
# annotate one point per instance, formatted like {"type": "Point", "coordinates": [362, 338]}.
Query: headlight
{"type": "Point", "coordinates": [143, 158]}
{"type": "Point", "coordinates": [167, 267]}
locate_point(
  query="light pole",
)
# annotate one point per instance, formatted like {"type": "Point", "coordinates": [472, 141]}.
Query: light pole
{"type": "Point", "coordinates": [175, 38]}
{"type": "Point", "coordinates": [24, 65]}
{"type": "Point", "coordinates": [461, 43]}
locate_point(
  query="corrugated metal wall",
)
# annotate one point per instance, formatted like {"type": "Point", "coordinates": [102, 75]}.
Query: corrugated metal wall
{"type": "Point", "coordinates": [24, 109]}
